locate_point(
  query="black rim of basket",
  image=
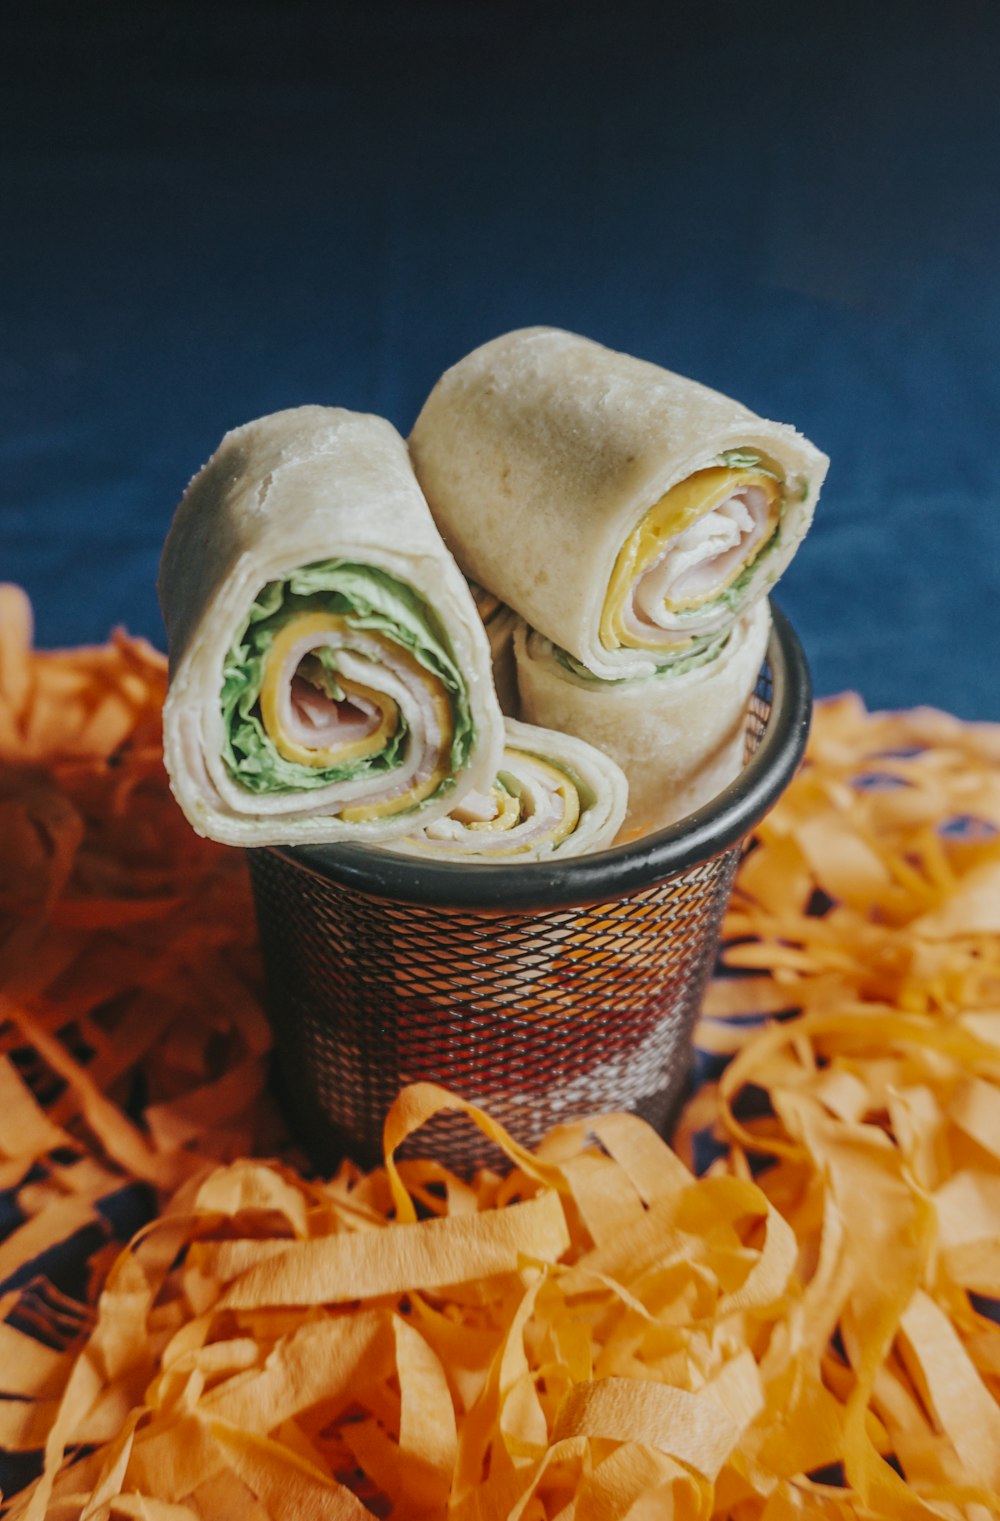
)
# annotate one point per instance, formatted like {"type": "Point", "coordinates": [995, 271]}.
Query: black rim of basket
{"type": "Point", "coordinates": [582, 880]}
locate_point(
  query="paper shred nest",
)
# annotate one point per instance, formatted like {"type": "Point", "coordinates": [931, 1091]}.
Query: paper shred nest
{"type": "Point", "coordinates": [807, 1330]}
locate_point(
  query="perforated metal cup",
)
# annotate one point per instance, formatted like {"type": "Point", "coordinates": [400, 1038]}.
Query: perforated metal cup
{"type": "Point", "coordinates": [542, 992]}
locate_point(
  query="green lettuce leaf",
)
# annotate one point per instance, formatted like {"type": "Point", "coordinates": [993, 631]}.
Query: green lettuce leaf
{"type": "Point", "coordinates": [367, 598]}
{"type": "Point", "coordinates": [738, 459]}
{"type": "Point", "coordinates": [702, 652]}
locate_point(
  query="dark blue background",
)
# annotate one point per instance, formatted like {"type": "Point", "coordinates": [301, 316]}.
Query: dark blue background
{"type": "Point", "coordinates": [215, 210]}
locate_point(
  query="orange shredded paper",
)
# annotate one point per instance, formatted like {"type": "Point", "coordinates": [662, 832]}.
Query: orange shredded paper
{"type": "Point", "coordinates": [804, 1331]}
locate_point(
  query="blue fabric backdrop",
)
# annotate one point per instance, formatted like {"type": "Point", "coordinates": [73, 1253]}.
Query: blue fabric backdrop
{"type": "Point", "coordinates": [215, 210]}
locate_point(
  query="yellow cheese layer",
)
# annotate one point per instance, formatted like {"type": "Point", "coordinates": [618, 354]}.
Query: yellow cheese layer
{"type": "Point", "coordinates": [682, 505]}
{"type": "Point", "coordinates": [316, 624]}
{"type": "Point", "coordinates": [564, 786]}
{"type": "Point", "coordinates": [442, 712]}
{"type": "Point", "coordinates": [508, 813]}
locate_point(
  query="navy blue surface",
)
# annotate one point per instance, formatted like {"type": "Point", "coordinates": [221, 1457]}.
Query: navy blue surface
{"type": "Point", "coordinates": [213, 211]}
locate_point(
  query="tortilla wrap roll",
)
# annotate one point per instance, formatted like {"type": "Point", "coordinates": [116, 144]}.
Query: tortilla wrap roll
{"type": "Point", "coordinates": [330, 677]}
{"type": "Point", "coordinates": [678, 735]}
{"type": "Point", "coordinates": [628, 514]}
{"type": "Point", "coordinates": [499, 621]}
{"type": "Point", "coordinates": [553, 796]}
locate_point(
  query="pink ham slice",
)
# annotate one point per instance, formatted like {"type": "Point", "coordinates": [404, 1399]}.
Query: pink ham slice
{"type": "Point", "coordinates": [320, 722]}
{"type": "Point", "coordinates": [475, 808]}
{"type": "Point", "coordinates": [345, 722]}
{"type": "Point", "coordinates": [698, 564]}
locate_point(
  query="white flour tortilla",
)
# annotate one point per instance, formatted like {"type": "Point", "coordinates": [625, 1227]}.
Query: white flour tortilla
{"type": "Point", "coordinates": [306, 485]}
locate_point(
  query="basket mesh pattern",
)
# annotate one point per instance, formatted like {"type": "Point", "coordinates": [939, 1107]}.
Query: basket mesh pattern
{"type": "Point", "coordinates": [540, 1017]}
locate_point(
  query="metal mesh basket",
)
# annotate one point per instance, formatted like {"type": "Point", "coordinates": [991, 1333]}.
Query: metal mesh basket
{"type": "Point", "coordinates": [543, 992]}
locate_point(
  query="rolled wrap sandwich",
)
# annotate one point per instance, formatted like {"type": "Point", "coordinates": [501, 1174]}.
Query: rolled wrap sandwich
{"type": "Point", "coordinates": [678, 735]}
{"type": "Point", "coordinates": [329, 674]}
{"type": "Point", "coordinates": [553, 796]}
{"type": "Point", "coordinates": [627, 513]}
